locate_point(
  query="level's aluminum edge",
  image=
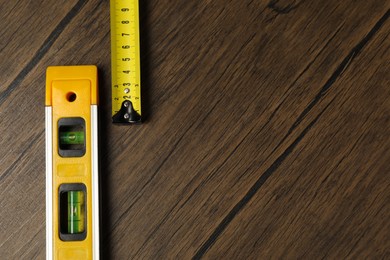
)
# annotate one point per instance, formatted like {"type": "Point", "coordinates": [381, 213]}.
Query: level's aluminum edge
{"type": "Point", "coordinates": [95, 182]}
{"type": "Point", "coordinates": [49, 183]}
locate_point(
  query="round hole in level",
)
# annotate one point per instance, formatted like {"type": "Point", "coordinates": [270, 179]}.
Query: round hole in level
{"type": "Point", "coordinates": [71, 96]}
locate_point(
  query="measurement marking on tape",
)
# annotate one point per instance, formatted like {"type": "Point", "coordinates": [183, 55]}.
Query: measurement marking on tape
{"type": "Point", "coordinates": [125, 61]}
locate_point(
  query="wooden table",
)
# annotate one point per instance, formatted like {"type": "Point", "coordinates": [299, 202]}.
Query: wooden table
{"type": "Point", "coordinates": [267, 129]}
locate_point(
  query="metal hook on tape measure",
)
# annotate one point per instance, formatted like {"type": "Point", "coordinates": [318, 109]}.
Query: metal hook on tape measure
{"type": "Point", "coordinates": [127, 113]}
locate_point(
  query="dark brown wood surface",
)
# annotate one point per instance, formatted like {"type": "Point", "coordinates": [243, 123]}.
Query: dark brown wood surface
{"type": "Point", "coordinates": [267, 129]}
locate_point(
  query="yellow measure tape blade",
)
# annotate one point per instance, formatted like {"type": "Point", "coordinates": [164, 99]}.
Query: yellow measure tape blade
{"type": "Point", "coordinates": [125, 61]}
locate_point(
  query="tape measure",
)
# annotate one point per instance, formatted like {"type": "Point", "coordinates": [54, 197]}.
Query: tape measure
{"type": "Point", "coordinates": [125, 61]}
{"type": "Point", "coordinates": [72, 180]}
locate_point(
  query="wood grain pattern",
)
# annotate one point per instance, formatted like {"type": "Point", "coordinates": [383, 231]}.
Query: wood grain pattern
{"type": "Point", "coordinates": [267, 130]}
{"type": "Point", "coordinates": [335, 196]}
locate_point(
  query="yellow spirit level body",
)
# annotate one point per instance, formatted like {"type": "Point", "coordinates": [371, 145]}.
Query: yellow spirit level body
{"type": "Point", "coordinates": [72, 187]}
{"type": "Point", "coordinates": [125, 61]}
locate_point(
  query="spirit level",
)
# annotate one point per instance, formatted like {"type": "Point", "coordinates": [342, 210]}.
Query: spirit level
{"type": "Point", "coordinates": [125, 61]}
{"type": "Point", "coordinates": [72, 187]}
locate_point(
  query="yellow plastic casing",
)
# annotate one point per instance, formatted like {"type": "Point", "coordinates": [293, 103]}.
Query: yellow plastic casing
{"type": "Point", "coordinates": [60, 82]}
